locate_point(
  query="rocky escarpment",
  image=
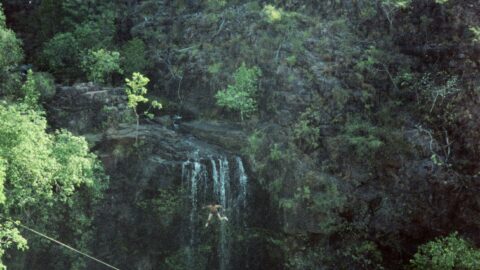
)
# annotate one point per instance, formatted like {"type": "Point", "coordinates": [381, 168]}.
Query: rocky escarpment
{"type": "Point", "coordinates": [341, 149]}
{"type": "Point", "coordinates": [411, 198]}
{"type": "Point", "coordinates": [342, 154]}
{"type": "Point", "coordinates": [152, 213]}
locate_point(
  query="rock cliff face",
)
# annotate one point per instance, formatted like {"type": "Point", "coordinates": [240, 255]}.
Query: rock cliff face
{"type": "Point", "coordinates": [336, 169]}
{"type": "Point", "coordinates": [153, 207]}
{"type": "Point", "coordinates": [152, 215]}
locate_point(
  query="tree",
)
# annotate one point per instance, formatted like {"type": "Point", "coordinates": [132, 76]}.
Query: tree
{"type": "Point", "coordinates": [136, 91]}
{"type": "Point", "coordinates": [61, 54]}
{"type": "Point", "coordinates": [101, 64]}
{"type": "Point", "coordinates": [445, 253]}
{"type": "Point", "coordinates": [42, 173]}
{"type": "Point", "coordinates": [133, 58]}
{"type": "Point", "coordinates": [86, 26]}
{"type": "Point", "coordinates": [10, 55]}
{"type": "Point", "coordinates": [241, 95]}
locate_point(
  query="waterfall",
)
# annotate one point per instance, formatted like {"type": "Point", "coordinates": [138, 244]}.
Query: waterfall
{"type": "Point", "coordinates": [223, 242]}
{"type": "Point", "coordinates": [193, 172]}
{"type": "Point", "coordinates": [225, 185]}
{"type": "Point", "coordinates": [243, 179]}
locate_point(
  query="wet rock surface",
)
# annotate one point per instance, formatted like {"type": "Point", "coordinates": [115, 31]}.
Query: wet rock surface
{"type": "Point", "coordinates": [189, 160]}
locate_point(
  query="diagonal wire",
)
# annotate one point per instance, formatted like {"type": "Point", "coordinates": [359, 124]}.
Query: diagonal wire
{"type": "Point", "coordinates": [67, 246]}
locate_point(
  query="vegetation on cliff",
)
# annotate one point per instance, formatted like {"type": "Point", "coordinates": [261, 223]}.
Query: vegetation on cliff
{"type": "Point", "coordinates": [360, 119]}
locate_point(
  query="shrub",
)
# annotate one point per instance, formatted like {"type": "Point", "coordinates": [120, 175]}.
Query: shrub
{"type": "Point", "coordinates": [306, 132]}
{"type": "Point", "coordinates": [45, 85]}
{"type": "Point", "coordinates": [320, 196]}
{"type": "Point", "coordinates": [38, 87]}
{"type": "Point", "coordinates": [363, 137]}
{"type": "Point", "coordinates": [253, 147]}
{"type": "Point", "coordinates": [360, 140]}
{"type": "Point", "coordinates": [29, 89]}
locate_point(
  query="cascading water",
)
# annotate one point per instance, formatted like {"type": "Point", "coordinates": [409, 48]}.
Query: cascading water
{"type": "Point", "coordinates": [243, 180]}
{"type": "Point", "coordinates": [194, 172]}
{"type": "Point", "coordinates": [213, 181]}
{"type": "Point", "coordinates": [223, 242]}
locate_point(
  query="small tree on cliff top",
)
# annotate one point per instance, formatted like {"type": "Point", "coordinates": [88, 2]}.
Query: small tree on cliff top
{"type": "Point", "coordinates": [136, 91]}
{"type": "Point", "coordinates": [241, 95]}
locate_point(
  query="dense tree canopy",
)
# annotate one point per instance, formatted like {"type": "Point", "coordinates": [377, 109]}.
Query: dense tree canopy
{"type": "Point", "coordinates": [40, 172]}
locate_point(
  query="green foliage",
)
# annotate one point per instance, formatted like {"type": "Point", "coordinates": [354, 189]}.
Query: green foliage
{"type": "Point", "coordinates": [62, 55]}
{"type": "Point", "coordinates": [44, 172]}
{"type": "Point", "coordinates": [136, 90]}
{"type": "Point", "coordinates": [365, 254]}
{"type": "Point", "coordinates": [10, 55]}
{"type": "Point", "coordinates": [38, 87]}
{"type": "Point", "coordinates": [275, 153]}
{"type": "Point", "coordinates": [2, 18]}
{"type": "Point", "coordinates": [10, 49]}
{"type": "Point", "coordinates": [272, 13]}
{"type": "Point", "coordinates": [291, 60]}
{"type": "Point", "coordinates": [49, 13]}
{"type": "Point", "coordinates": [397, 3]}
{"type": "Point", "coordinates": [404, 79]}
{"type": "Point", "coordinates": [101, 64]}
{"type": "Point", "coordinates": [134, 57]}
{"type": "Point", "coordinates": [306, 132]}
{"type": "Point", "coordinates": [102, 13]}
{"type": "Point", "coordinates": [42, 165]}
{"type": "Point", "coordinates": [216, 4]}
{"type": "Point", "coordinates": [91, 35]}
{"type": "Point", "coordinates": [319, 195]}
{"type": "Point", "coordinates": [361, 138]}
{"type": "Point", "coordinates": [372, 56]}
{"type": "Point", "coordinates": [215, 68]}
{"type": "Point", "coordinates": [476, 33]}
{"type": "Point", "coordinates": [241, 95]}
{"type": "Point", "coordinates": [44, 85]}
{"type": "Point", "coordinates": [444, 253]}
{"type": "Point", "coordinates": [306, 135]}
{"type": "Point", "coordinates": [3, 167]}
{"type": "Point", "coordinates": [165, 205]}
{"type": "Point", "coordinates": [29, 89]}
{"type": "Point", "coordinates": [254, 143]}
{"type": "Point", "coordinates": [11, 237]}
{"type": "Point", "coordinates": [113, 115]}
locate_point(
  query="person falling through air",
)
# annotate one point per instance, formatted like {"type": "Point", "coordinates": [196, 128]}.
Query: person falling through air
{"type": "Point", "coordinates": [213, 210]}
